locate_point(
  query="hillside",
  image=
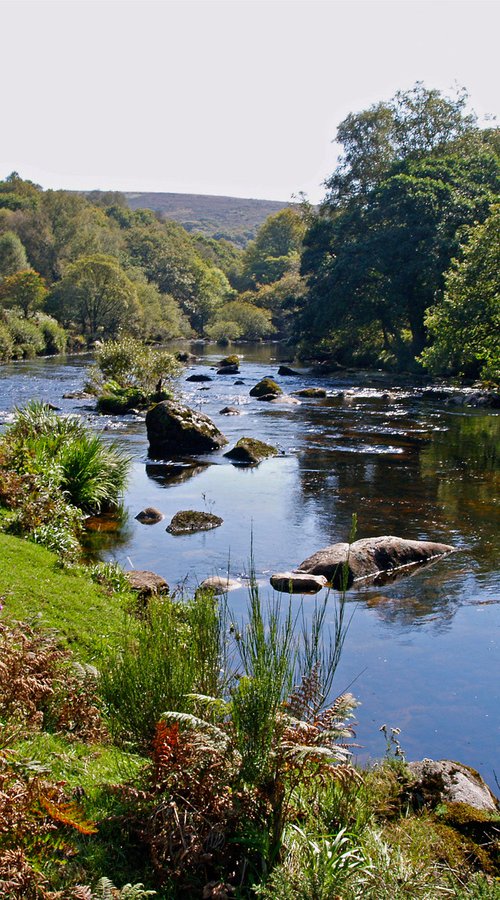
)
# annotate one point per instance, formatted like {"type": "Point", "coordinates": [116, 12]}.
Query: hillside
{"type": "Point", "coordinates": [234, 218]}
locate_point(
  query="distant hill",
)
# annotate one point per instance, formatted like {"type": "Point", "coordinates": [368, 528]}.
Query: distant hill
{"type": "Point", "coordinates": [233, 218]}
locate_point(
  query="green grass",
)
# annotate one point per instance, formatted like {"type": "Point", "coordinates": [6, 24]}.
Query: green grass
{"type": "Point", "coordinates": [34, 586]}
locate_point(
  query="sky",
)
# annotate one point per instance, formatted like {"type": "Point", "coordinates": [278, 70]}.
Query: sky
{"type": "Point", "coordinates": [234, 97]}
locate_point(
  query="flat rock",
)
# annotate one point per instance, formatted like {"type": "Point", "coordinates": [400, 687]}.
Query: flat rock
{"type": "Point", "coordinates": [149, 516]}
{"type": "Point", "coordinates": [187, 521]}
{"type": "Point", "coordinates": [219, 585]}
{"type": "Point", "coordinates": [264, 388]}
{"type": "Point", "coordinates": [146, 584]}
{"type": "Point", "coordinates": [175, 428]}
{"type": "Point", "coordinates": [343, 563]}
{"type": "Point", "coordinates": [445, 781]}
{"type": "Point", "coordinates": [248, 451]}
{"type": "Point", "coordinates": [297, 583]}
{"type": "Point", "coordinates": [199, 378]}
{"type": "Point", "coordinates": [229, 411]}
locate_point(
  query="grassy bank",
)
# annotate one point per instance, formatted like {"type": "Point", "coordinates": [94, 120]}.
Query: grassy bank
{"type": "Point", "coordinates": [34, 587]}
{"type": "Point", "coordinates": [195, 758]}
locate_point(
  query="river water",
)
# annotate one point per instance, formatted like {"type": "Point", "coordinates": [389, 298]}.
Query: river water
{"type": "Point", "coordinates": [422, 652]}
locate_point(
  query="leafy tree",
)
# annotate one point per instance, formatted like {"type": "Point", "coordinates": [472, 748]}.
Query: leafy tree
{"type": "Point", "coordinates": [96, 294]}
{"type": "Point", "coordinates": [282, 299]}
{"type": "Point", "coordinates": [15, 193]}
{"type": "Point", "coordinates": [384, 261]}
{"type": "Point", "coordinates": [412, 123]}
{"type": "Point", "coordinates": [25, 290]}
{"type": "Point", "coordinates": [254, 323]}
{"type": "Point", "coordinates": [465, 327]}
{"type": "Point", "coordinates": [276, 248]}
{"type": "Point", "coordinates": [12, 254]}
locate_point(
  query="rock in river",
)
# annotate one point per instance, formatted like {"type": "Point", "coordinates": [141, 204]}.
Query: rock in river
{"type": "Point", "coordinates": [311, 392]}
{"type": "Point", "coordinates": [175, 429]}
{"type": "Point", "coordinates": [187, 521]}
{"type": "Point", "coordinates": [248, 451]}
{"type": "Point", "coordinates": [368, 557]}
{"type": "Point", "coordinates": [297, 583]}
{"type": "Point", "coordinates": [266, 388]}
{"type": "Point", "coordinates": [219, 585]}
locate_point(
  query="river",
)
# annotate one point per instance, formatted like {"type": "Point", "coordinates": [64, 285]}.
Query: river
{"type": "Point", "coordinates": [422, 652]}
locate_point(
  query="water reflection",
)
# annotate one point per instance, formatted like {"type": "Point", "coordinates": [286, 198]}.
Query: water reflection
{"type": "Point", "coordinates": [172, 473]}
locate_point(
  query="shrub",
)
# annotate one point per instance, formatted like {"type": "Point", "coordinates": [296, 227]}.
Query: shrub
{"type": "Point", "coordinates": [6, 343]}
{"type": "Point", "coordinates": [53, 334]}
{"type": "Point", "coordinates": [27, 338]}
{"type": "Point", "coordinates": [128, 364]}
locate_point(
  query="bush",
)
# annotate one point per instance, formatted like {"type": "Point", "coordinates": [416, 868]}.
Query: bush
{"type": "Point", "coordinates": [27, 338]}
{"type": "Point", "coordinates": [128, 365]}
{"type": "Point", "coordinates": [6, 343]}
{"type": "Point", "coordinates": [53, 334]}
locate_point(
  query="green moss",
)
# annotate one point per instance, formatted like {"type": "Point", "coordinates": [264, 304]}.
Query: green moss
{"type": "Point", "coordinates": [249, 451]}
{"type": "Point", "coordinates": [265, 387]}
{"type": "Point", "coordinates": [33, 585]}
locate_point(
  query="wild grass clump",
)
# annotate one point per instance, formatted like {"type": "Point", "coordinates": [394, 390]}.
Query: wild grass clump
{"type": "Point", "coordinates": [53, 473]}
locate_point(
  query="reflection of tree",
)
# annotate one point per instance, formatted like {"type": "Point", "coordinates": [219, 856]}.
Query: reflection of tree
{"type": "Point", "coordinates": [441, 487]}
{"type": "Point", "coordinates": [464, 461]}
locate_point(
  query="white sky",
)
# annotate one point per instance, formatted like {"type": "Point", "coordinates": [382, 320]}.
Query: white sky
{"type": "Point", "coordinates": [235, 97]}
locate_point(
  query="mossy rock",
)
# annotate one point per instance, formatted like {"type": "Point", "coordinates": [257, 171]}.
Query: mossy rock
{"type": "Point", "coordinates": [266, 388]}
{"type": "Point", "coordinates": [249, 451]}
{"type": "Point", "coordinates": [187, 521]}
{"type": "Point", "coordinates": [120, 401]}
{"type": "Point", "coordinates": [176, 429]}
{"type": "Point", "coordinates": [232, 360]}
{"type": "Point", "coordinates": [311, 392]}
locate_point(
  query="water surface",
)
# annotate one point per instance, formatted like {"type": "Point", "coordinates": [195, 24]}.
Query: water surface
{"type": "Point", "coordinates": [422, 652]}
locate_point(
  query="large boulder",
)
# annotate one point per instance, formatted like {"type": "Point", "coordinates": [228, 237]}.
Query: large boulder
{"type": "Point", "coordinates": [232, 369]}
{"type": "Point", "coordinates": [287, 371]}
{"type": "Point", "coordinates": [342, 564]}
{"type": "Point", "coordinates": [175, 429]}
{"type": "Point", "coordinates": [445, 781]}
{"type": "Point", "coordinates": [187, 521]}
{"type": "Point", "coordinates": [248, 451]}
{"type": "Point", "coordinates": [267, 387]}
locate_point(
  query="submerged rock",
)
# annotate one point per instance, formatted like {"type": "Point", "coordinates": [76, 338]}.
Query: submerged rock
{"type": "Point", "coordinates": [146, 584]}
{"type": "Point", "coordinates": [248, 451]}
{"type": "Point", "coordinates": [297, 583]}
{"type": "Point", "coordinates": [341, 564]}
{"type": "Point", "coordinates": [229, 411]}
{"type": "Point", "coordinates": [149, 516]}
{"type": "Point", "coordinates": [445, 781]}
{"type": "Point", "coordinates": [186, 521]}
{"type": "Point", "coordinates": [175, 428]}
{"type": "Point", "coordinates": [286, 371]}
{"type": "Point", "coordinates": [199, 378]}
{"type": "Point", "coordinates": [266, 388]}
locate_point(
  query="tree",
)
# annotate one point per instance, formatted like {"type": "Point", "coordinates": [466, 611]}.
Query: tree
{"type": "Point", "coordinates": [275, 250]}
{"type": "Point", "coordinates": [25, 290]}
{"type": "Point", "coordinates": [96, 293]}
{"type": "Point", "coordinates": [253, 323]}
{"type": "Point", "coordinates": [12, 254]}
{"type": "Point", "coordinates": [383, 261]}
{"type": "Point", "coordinates": [412, 123]}
{"type": "Point", "coordinates": [465, 327]}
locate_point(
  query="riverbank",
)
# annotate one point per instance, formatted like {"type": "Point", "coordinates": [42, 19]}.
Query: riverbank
{"type": "Point", "coordinates": [359, 831]}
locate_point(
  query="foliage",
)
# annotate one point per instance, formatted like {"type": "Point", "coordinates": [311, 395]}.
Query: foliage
{"type": "Point", "coordinates": [24, 290]}
{"type": "Point", "coordinates": [143, 680]}
{"type": "Point", "coordinates": [465, 326]}
{"type": "Point", "coordinates": [27, 338]}
{"type": "Point", "coordinates": [52, 472]}
{"type": "Point", "coordinates": [12, 254]}
{"type": "Point", "coordinates": [275, 250]}
{"type": "Point", "coordinates": [96, 294]}
{"type": "Point", "coordinates": [251, 322]}
{"type": "Point", "coordinates": [126, 369]}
